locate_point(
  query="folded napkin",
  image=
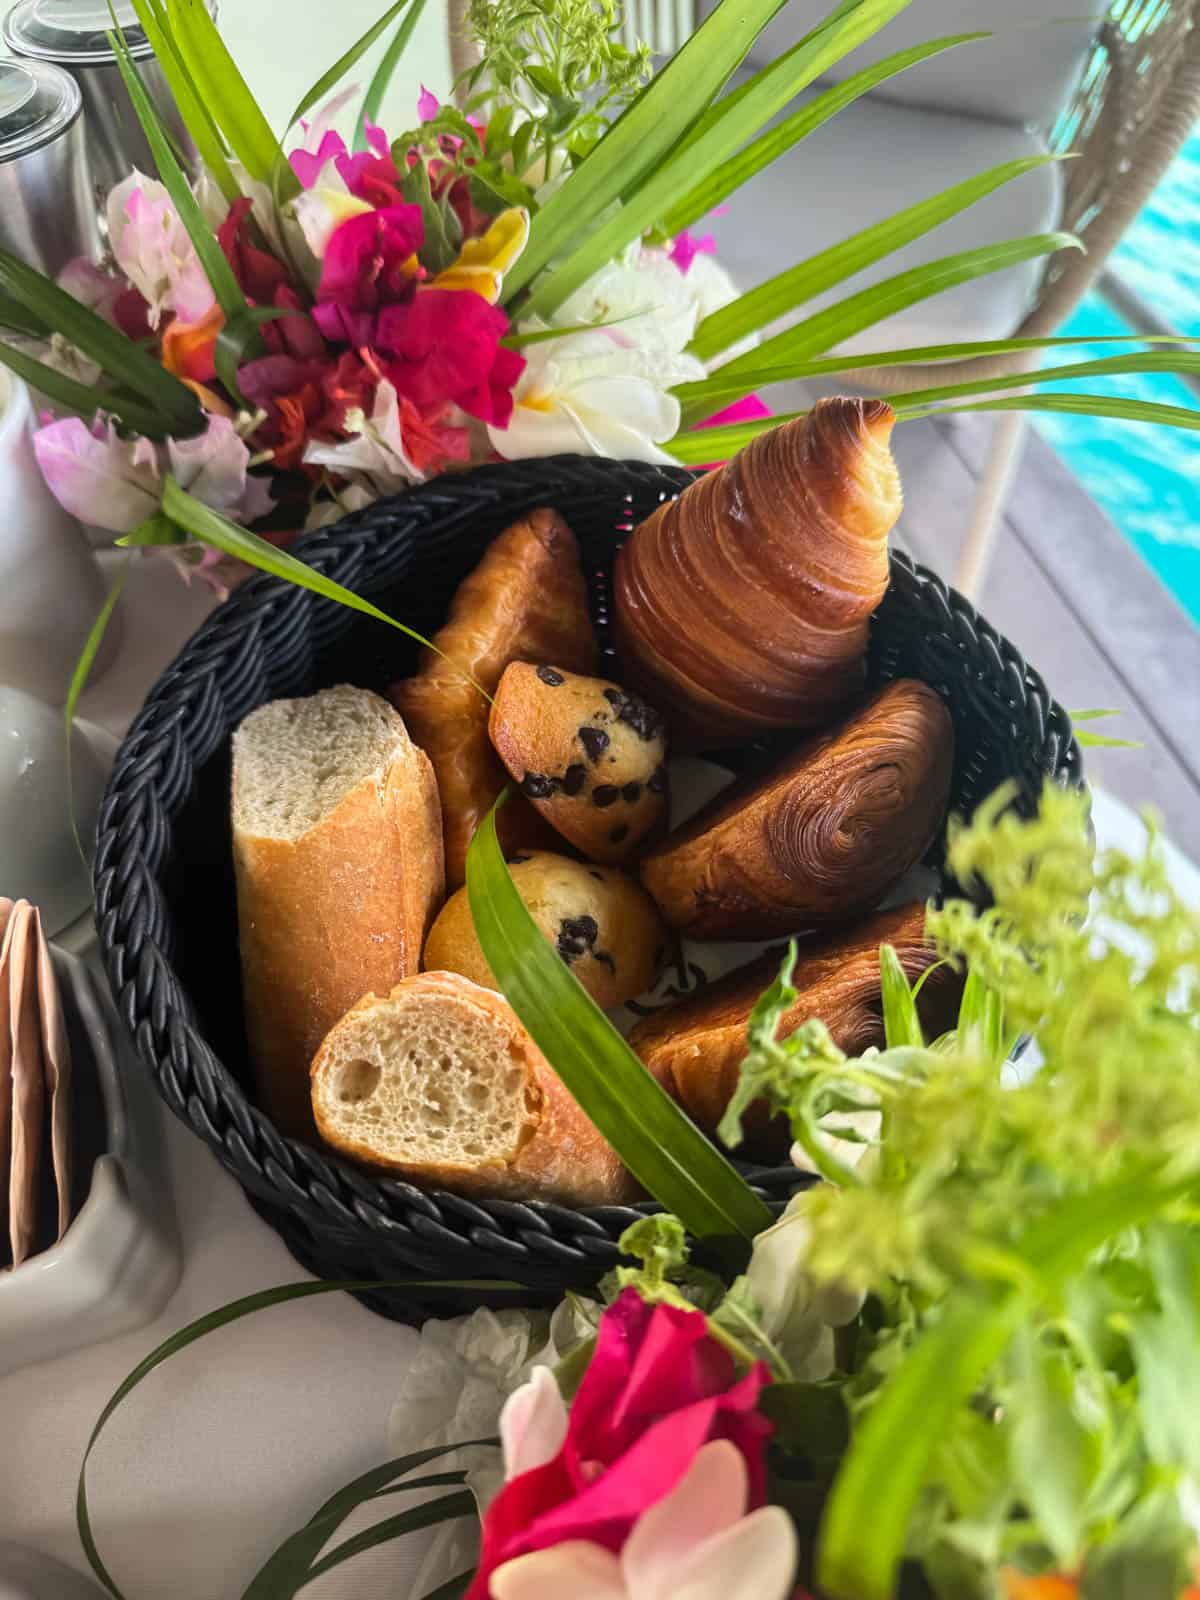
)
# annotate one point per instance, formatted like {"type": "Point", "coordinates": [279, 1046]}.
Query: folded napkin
{"type": "Point", "coordinates": [35, 1088]}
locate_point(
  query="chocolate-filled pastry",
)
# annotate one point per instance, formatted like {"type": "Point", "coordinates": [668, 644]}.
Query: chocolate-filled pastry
{"type": "Point", "coordinates": [820, 838]}
{"type": "Point", "coordinates": [601, 921]}
{"type": "Point", "coordinates": [742, 606]}
{"type": "Point", "coordinates": [525, 601]}
{"type": "Point", "coordinates": [590, 756]}
{"type": "Point", "coordinates": [695, 1049]}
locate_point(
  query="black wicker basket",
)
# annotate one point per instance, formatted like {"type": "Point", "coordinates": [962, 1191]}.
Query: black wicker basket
{"type": "Point", "coordinates": [164, 880]}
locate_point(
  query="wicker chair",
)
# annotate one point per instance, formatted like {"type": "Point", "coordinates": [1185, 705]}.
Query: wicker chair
{"type": "Point", "coordinates": [1138, 101]}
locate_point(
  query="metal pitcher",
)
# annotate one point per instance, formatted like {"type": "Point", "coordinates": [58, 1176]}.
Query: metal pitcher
{"type": "Point", "coordinates": [47, 204]}
{"type": "Point", "coordinates": [73, 35]}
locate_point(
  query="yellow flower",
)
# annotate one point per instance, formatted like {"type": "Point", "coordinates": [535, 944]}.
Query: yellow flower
{"type": "Point", "coordinates": [482, 262]}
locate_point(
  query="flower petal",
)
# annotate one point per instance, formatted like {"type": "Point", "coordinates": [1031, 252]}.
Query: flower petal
{"type": "Point", "coordinates": [97, 476]}
{"type": "Point", "coordinates": [214, 466]}
{"type": "Point", "coordinates": [710, 1498]}
{"type": "Point", "coordinates": [576, 1569]}
{"type": "Point", "coordinates": [482, 262]}
{"type": "Point", "coordinates": [533, 1424]}
{"type": "Point", "coordinates": [753, 1560]}
{"type": "Point", "coordinates": [428, 105]}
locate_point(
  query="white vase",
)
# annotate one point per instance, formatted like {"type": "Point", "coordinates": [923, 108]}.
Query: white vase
{"type": "Point", "coordinates": [51, 587]}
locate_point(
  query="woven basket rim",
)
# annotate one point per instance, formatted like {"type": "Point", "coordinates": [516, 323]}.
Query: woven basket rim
{"type": "Point", "coordinates": [180, 726]}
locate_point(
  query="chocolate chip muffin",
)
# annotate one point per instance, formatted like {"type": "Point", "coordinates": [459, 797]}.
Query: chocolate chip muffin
{"type": "Point", "coordinates": [603, 924]}
{"type": "Point", "coordinates": [589, 755]}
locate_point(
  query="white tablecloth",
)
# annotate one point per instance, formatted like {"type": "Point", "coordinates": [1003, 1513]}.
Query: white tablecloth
{"type": "Point", "coordinates": [233, 1444]}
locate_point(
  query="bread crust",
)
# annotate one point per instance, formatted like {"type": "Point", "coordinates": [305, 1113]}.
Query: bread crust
{"type": "Point", "coordinates": [525, 601]}
{"type": "Point", "coordinates": [561, 1157]}
{"type": "Point", "coordinates": [696, 1048]}
{"type": "Point", "coordinates": [322, 920]}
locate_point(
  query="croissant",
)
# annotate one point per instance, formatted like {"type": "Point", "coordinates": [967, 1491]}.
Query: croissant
{"type": "Point", "coordinates": [820, 838]}
{"type": "Point", "coordinates": [525, 601]}
{"type": "Point", "coordinates": [695, 1048]}
{"type": "Point", "coordinates": [743, 605]}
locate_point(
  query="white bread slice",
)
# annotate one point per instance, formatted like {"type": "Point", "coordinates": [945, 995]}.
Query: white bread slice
{"type": "Point", "coordinates": [441, 1083]}
{"type": "Point", "coordinates": [337, 839]}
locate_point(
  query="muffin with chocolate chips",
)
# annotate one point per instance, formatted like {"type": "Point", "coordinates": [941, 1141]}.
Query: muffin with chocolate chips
{"type": "Point", "coordinates": [589, 755]}
{"type": "Point", "coordinates": [603, 924]}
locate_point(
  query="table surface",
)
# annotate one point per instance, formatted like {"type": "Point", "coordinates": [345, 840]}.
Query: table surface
{"type": "Point", "coordinates": [234, 1443]}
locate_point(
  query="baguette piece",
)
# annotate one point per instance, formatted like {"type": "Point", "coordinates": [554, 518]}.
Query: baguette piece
{"type": "Point", "coordinates": [696, 1048]}
{"type": "Point", "coordinates": [526, 601]}
{"type": "Point", "coordinates": [337, 841]}
{"type": "Point", "coordinates": [440, 1082]}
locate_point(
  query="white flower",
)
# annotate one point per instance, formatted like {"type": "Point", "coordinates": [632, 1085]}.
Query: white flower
{"type": "Point", "coordinates": [455, 1388]}
{"type": "Point", "coordinates": [796, 1316]}
{"type": "Point", "coordinates": [696, 1543]}
{"type": "Point", "coordinates": [376, 449]}
{"type": "Point", "coordinates": [605, 391]}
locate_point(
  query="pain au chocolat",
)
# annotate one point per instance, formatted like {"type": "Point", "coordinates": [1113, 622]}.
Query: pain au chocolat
{"type": "Point", "coordinates": [820, 838]}
{"type": "Point", "coordinates": [743, 605]}
{"type": "Point", "coordinates": [695, 1049]}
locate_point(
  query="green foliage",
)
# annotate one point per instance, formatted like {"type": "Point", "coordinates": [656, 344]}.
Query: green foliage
{"type": "Point", "coordinates": [558, 64]}
{"type": "Point", "coordinates": [1025, 1381]}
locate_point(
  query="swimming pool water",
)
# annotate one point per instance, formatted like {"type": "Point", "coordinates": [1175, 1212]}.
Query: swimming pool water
{"type": "Point", "coordinates": [1147, 478]}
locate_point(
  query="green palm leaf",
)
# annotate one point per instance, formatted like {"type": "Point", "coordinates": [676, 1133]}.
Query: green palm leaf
{"type": "Point", "coordinates": [385, 71]}
{"type": "Point", "coordinates": [734, 120]}
{"type": "Point", "coordinates": [175, 408]}
{"type": "Point", "coordinates": [666, 1152]}
{"type": "Point", "coordinates": [221, 87]}
{"type": "Point", "coordinates": [1079, 405]}
{"type": "Point", "coordinates": [196, 119]}
{"type": "Point", "coordinates": [807, 279]}
{"type": "Point", "coordinates": [636, 144]}
{"type": "Point", "coordinates": [827, 329]}
{"type": "Point", "coordinates": [212, 258]}
{"type": "Point", "coordinates": [719, 185]}
{"type": "Point", "coordinates": [85, 399]}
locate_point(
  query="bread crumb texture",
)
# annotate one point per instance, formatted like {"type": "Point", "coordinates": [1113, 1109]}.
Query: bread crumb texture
{"type": "Point", "coordinates": [415, 1081]}
{"type": "Point", "coordinates": [294, 761]}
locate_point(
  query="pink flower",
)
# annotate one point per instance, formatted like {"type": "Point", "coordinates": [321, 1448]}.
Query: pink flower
{"type": "Point", "coordinates": [749, 409]}
{"type": "Point", "coordinates": [83, 280]}
{"type": "Point", "coordinates": [687, 247]}
{"type": "Point", "coordinates": [445, 347]}
{"type": "Point", "coordinates": [696, 1543]}
{"type": "Point", "coordinates": [371, 174]}
{"type": "Point", "coordinates": [369, 259]}
{"type": "Point", "coordinates": [658, 1389]}
{"type": "Point", "coordinates": [97, 476]}
{"type": "Point", "coordinates": [214, 466]}
{"type": "Point", "coordinates": [153, 250]}
{"type": "Point", "coordinates": [321, 143]}
{"type": "Point", "coordinates": [428, 105]}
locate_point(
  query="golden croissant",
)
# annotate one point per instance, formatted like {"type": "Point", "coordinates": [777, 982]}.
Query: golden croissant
{"type": "Point", "coordinates": [743, 605]}
{"type": "Point", "coordinates": [821, 837]}
{"type": "Point", "coordinates": [696, 1048]}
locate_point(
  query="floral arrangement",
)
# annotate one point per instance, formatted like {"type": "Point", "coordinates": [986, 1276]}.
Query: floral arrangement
{"type": "Point", "coordinates": [962, 1365]}
{"type": "Point", "coordinates": [289, 335]}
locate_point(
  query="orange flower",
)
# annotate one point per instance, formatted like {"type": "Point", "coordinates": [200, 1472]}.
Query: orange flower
{"type": "Point", "coordinates": [1019, 1587]}
{"type": "Point", "coordinates": [297, 413]}
{"type": "Point", "coordinates": [188, 348]}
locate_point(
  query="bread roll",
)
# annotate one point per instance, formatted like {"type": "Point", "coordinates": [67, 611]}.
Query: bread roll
{"type": "Point", "coordinates": [440, 1083]}
{"type": "Point", "coordinates": [603, 924]}
{"type": "Point", "coordinates": [589, 755]}
{"type": "Point", "coordinates": [820, 838]}
{"type": "Point", "coordinates": [337, 842]}
{"type": "Point", "coordinates": [696, 1048]}
{"type": "Point", "coordinates": [525, 601]}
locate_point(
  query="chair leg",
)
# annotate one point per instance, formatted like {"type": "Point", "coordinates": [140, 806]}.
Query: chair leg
{"type": "Point", "coordinates": [1000, 468]}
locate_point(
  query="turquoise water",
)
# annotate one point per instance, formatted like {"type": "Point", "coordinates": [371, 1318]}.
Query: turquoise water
{"type": "Point", "coordinates": [1147, 478]}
